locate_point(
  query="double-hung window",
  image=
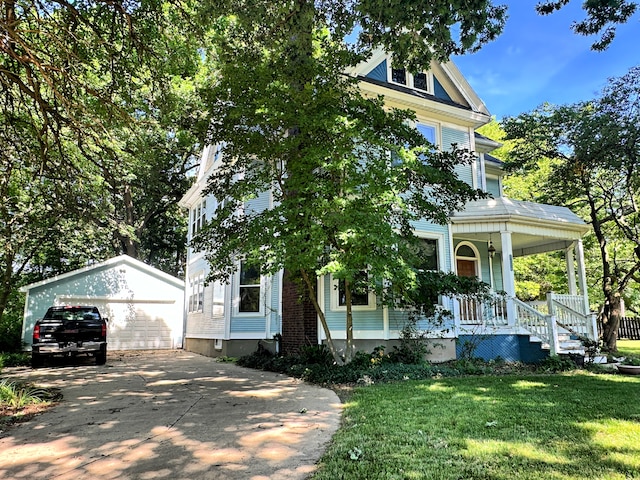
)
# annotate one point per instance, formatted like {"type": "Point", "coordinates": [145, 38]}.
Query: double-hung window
{"type": "Point", "coordinates": [428, 255]}
{"type": "Point", "coordinates": [361, 297]}
{"type": "Point", "coordinates": [429, 132]}
{"type": "Point", "coordinates": [249, 288]}
{"type": "Point", "coordinates": [196, 293]}
{"type": "Point", "coordinates": [198, 217]}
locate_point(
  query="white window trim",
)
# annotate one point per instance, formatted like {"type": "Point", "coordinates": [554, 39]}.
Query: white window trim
{"type": "Point", "coordinates": [409, 76]}
{"type": "Point", "coordinates": [197, 217]}
{"type": "Point", "coordinates": [477, 259]}
{"type": "Point", "coordinates": [196, 282]}
{"type": "Point", "coordinates": [335, 300]}
{"type": "Point", "coordinates": [436, 126]}
{"type": "Point", "coordinates": [236, 296]}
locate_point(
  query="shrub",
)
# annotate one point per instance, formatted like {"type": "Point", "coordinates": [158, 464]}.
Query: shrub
{"type": "Point", "coordinates": [557, 363]}
{"type": "Point", "coordinates": [370, 368]}
{"type": "Point", "coordinates": [413, 348]}
{"type": "Point", "coordinates": [632, 361]}
{"type": "Point", "coordinates": [20, 359]}
{"type": "Point", "coordinates": [17, 395]}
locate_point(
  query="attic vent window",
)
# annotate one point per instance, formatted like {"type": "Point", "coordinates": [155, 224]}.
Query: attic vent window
{"type": "Point", "coordinates": [420, 81]}
{"type": "Point", "coordinates": [399, 75]}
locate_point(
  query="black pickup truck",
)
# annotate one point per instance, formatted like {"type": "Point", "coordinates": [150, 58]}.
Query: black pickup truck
{"type": "Point", "coordinates": [70, 331]}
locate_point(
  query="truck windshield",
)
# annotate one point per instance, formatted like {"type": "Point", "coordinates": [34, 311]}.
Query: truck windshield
{"type": "Point", "coordinates": [72, 314]}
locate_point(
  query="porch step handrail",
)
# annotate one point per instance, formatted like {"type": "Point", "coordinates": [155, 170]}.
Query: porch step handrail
{"type": "Point", "coordinates": [573, 321]}
{"type": "Point", "coordinates": [536, 323]}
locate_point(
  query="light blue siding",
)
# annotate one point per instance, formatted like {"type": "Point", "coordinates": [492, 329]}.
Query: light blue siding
{"type": "Point", "coordinates": [362, 319]}
{"type": "Point", "coordinates": [260, 203]}
{"type": "Point", "coordinates": [248, 324]}
{"type": "Point", "coordinates": [493, 187]}
{"type": "Point", "coordinates": [460, 138]}
{"type": "Point", "coordinates": [275, 318]}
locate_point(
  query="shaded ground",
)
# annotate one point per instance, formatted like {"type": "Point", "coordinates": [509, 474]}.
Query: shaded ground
{"type": "Point", "coordinates": [172, 415]}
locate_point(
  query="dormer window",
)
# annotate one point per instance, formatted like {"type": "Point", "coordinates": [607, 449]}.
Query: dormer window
{"type": "Point", "coordinates": [399, 75]}
{"type": "Point", "coordinates": [422, 81]}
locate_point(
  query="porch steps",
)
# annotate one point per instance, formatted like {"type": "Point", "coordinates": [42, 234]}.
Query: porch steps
{"type": "Point", "coordinates": [568, 344]}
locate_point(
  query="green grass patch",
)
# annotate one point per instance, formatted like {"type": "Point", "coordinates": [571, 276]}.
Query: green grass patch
{"type": "Point", "coordinates": [629, 348]}
{"type": "Point", "coordinates": [570, 426]}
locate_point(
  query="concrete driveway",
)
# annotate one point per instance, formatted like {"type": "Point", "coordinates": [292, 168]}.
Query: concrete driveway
{"type": "Point", "coordinates": [170, 415]}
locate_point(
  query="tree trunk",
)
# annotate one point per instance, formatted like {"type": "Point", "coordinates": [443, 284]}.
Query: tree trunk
{"type": "Point", "coordinates": [130, 245]}
{"type": "Point", "coordinates": [611, 320]}
{"type": "Point", "coordinates": [610, 283]}
{"type": "Point", "coordinates": [348, 353]}
{"type": "Point", "coordinates": [311, 290]}
{"type": "Point", "coordinates": [7, 283]}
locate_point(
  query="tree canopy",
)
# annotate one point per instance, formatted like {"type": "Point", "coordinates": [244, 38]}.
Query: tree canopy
{"type": "Point", "coordinates": [603, 16]}
{"type": "Point", "coordinates": [101, 123]}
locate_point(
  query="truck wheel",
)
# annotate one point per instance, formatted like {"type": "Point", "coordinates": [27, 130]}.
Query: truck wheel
{"type": "Point", "coordinates": [37, 360]}
{"type": "Point", "coordinates": [101, 356]}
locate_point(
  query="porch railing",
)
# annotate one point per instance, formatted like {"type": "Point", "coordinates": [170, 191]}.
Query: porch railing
{"type": "Point", "coordinates": [491, 312]}
{"type": "Point", "coordinates": [569, 312]}
{"type": "Point", "coordinates": [546, 322]}
{"type": "Point", "coordinates": [537, 324]}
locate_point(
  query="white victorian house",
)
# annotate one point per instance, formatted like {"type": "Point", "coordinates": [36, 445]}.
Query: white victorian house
{"type": "Point", "coordinates": [482, 241]}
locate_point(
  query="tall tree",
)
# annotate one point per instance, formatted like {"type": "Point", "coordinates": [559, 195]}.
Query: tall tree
{"type": "Point", "coordinates": [593, 149]}
{"type": "Point", "coordinates": [99, 122]}
{"type": "Point", "coordinates": [348, 175]}
{"type": "Point", "coordinates": [538, 274]}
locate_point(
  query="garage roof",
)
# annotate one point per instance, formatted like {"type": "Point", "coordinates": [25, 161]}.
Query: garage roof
{"type": "Point", "coordinates": [122, 259]}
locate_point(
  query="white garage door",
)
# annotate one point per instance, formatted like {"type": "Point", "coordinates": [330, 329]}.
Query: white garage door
{"type": "Point", "coordinates": [135, 325]}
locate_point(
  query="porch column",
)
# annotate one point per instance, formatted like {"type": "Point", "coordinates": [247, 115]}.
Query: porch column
{"type": "Point", "coordinates": [508, 278]}
{"type": "Point", "coordinates": [582, 275]}
{"type": "Point", "coordinates": [571, 269]}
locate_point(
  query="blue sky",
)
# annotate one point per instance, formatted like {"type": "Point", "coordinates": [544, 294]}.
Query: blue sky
{"type": "Point", "coordinates": [539, 59]}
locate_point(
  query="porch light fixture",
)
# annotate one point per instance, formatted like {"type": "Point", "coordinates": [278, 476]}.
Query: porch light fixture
{"type": "Point", "coordinates": [492, 249]}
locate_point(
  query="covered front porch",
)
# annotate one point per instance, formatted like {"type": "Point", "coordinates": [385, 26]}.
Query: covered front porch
{"type": "Point", "coordinates": [488, 234]}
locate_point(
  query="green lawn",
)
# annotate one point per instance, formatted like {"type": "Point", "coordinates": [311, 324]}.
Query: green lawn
{"type": "Point", "coordinates": [573, 426]}
{"type": "Point", "coordinates": [629, 347]}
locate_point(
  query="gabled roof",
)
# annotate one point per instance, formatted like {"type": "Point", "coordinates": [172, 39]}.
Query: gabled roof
{"type": "Point", "coordinates": [122, 259]}
{"type": "Point", "coordinates": [450, 88]}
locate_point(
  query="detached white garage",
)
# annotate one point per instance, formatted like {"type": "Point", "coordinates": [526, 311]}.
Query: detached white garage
{"type": "Point", "coordinates": [144, 305]}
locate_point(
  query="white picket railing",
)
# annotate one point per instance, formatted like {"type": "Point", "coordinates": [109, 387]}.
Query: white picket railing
{"type": "Point", "coordinates": [533, 321]}
{"type": "Point", "coordinates": [490, 312]}
{"type": "Point", "coordinates": [561, 313]}
{"type": "Point", "coordinates": [569, 312]}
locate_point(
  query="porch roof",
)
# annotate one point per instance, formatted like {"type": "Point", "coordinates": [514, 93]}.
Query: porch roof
{"type": "Point", "coordinates": [503, 209]}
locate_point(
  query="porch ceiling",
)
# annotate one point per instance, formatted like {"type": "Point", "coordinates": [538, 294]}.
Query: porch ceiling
{"type": "Point", "coordinates": [534, 227]}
